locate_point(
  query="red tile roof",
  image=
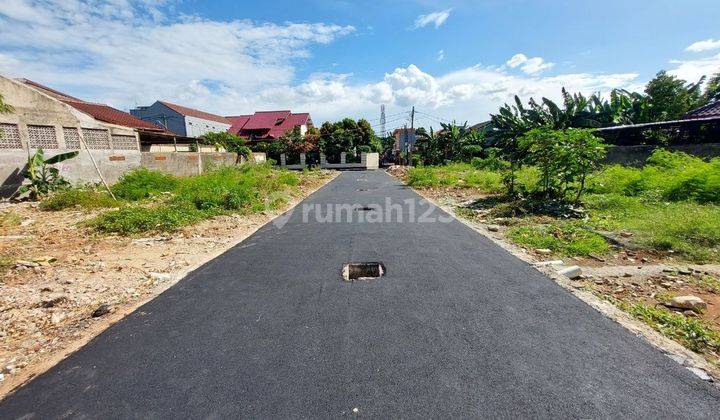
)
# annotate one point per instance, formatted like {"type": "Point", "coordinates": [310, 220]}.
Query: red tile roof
{"type": "Point", "coordinates": [708, 111]}
{"type": "Point", "coordinates": [113, 116]}
{"type": "Point", "coordinates": [238, 122]}
{"type": "Point", "coordinates": [195, 113]}
{"type": "Point", "coordinates": [100, 112]}
{"type": "Point", "coordinates": [266, 120]}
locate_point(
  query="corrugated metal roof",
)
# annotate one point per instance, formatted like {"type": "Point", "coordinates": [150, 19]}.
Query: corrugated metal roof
{"type": "Point", "coordinates": [709, 110]}
{"type": "Point", "coordinates": [183, 110]}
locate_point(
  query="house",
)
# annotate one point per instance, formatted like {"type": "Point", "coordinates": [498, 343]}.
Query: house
{"type": "Point", "coordinates": [404, 139]}
{"type": "Point", "coordinates": [709, 111]}
{"type": "Point", "coordinates": [181, 120]}
{"type": "Point", "coordinates": [268, 125]}
{"type": "Point", "coordinates": [56, 122]}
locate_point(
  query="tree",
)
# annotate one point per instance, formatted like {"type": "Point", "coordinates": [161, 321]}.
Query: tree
{"type": "Point", "coordinates": [712, 89]}
{"type": "Point", "coordinates": [229, 141]}
{"type": "Point", "coordinates": [669, 98]}
{"type": "Point", "coordinates": [564, 158]}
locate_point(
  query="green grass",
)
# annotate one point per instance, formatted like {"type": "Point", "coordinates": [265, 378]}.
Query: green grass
{"type": "Point", "coordinates": [562, 237]}
{"type": "Point", "coordinates": [78, 197]}
{"type": "Point", "coordinates": [462, 175]}
{"type": "Point", "coordinates": [227, 189]}
{"type": "Point", "coordinates": [672, 204]}
{"type": "Point", "coordinates": [143, 183]}
{"type": "Point", "coordinates": [132, 220]}
{"type": "Point", "coordinates": [669, 176]}
{"type": "Point", "coordinates": [691, 332]}
{"type": "Point", "coordinates": [687, 228]}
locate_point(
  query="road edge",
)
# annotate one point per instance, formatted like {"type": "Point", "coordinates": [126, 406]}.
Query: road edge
{"type": "Point", "coordinates": [18, 381]}
{"type": "Point", "coordinates": [675, 351]}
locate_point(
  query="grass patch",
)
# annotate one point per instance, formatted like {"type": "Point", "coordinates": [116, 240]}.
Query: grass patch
{"type": "Point", "coordinates": [227, 189]}
{"type": "Point", "coordinates": [132, 220]}
{"type": "Point", "coordinates": [463, 175]}
{"type": "Point", "coordinates": [564, 238]}
{"type": "Point", "coordinates": [9, 219]}
{"type": "Point", "coordinates": [691, 332]}
{"type": "Point", "coordinates": [142, 183]}
{"type": "Point", "coordinates": [687, 228]}
{"type": "Point", "coordinates": [670, 176]}
{"type": "Point", "coordinates": [78, 197]}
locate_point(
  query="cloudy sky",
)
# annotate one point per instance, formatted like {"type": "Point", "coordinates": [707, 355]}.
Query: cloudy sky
{"type": "Point", "coordinates": [334, 58]}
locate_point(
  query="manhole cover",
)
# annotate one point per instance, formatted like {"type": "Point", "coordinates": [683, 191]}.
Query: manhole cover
{"type": "Point", "coordinates": [363, 271]}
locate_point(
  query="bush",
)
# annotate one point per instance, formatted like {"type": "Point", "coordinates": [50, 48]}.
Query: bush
{"type": "Point", "coordinates": [131, 220]}
{"type": "Point", "coordinates": [672, 176]}
{"type": "Point", "coordinates": [77, 197]}
{"type": "Point", "coordinates": [142, 183]}
{"type": "Point", "coordinates": [563, 157]}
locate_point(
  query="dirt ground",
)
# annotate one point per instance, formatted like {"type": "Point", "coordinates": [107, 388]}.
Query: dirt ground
{"type": "Point", "coordinates": [61, 284]}
{"type": "Point", "coordinates": [627, 275]}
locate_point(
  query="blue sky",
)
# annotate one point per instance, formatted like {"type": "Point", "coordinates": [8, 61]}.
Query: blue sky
{"type": "Point", "coordinates": [451, 59]}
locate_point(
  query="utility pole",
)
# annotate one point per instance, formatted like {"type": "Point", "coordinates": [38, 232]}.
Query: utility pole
{"type": "Point", "coordinates": [412, 129]}
{"type": "Point", "coordinates": [382, 120]}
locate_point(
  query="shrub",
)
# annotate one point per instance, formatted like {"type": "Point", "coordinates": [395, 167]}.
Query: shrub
{"type": "Point", "coordinates": [673, 176]}
{"type": "Point", "coordinates": [142, 183]}
{"type": "Point", "coordinates": [563, 157]}
{"type": "Point", "coordinates": [131, 220]}
{"type": "Point", "coordinates": [78, 197]}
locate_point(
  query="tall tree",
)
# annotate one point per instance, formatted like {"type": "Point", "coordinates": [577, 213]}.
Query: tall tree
{"type": "Point", "coordinates": [669, 98]}
{"type": "Point", "coordinates": [712, 89]}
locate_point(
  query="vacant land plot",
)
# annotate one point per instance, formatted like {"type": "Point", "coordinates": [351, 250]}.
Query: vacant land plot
{"type": "Point", "coordinates": [642, 235]}
{"type": "Point", "coordinates": [78, 261]}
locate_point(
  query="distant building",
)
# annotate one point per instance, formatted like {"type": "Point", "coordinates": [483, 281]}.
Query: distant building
{"type": "Point", "coordinates": [404, 139]}
{"type": "Point", "coordinates": [268, 125]}
{"type": "Point", "coordinates": [181, 120]}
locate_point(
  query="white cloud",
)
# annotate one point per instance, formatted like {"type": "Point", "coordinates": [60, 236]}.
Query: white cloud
{"type": "Point", "coordinates": [693, 70]}
{"type": "Point", "coordinates": [705, 45]}
{"type": "Point", "coordinates": [434, 18]}
{"type": "Point", "coordinates": [441, 55]}
{"type": "Point", "coordinates": [134, 53]}
{"type": "Point", "coordinates": [532, 65]}
{"type": "Point", "coordinates": [128, 52]}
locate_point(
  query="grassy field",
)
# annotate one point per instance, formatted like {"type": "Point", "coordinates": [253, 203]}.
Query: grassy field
{"type": "Point", "coordinates": [671, 205]}
{"type": "Point", "coordinates": [150, 201]}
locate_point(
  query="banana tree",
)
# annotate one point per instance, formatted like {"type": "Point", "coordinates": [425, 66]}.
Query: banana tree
{"type": "Point", "coordinates": [43, 177]}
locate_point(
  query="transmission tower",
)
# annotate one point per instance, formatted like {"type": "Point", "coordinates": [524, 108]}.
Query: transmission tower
{"type": "Point", "coordinates": [382, 120]}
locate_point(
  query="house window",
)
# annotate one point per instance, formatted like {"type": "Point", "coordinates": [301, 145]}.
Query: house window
{"type": "Point", "coordinates": [42, 136]}
{"type": "Point", "coordinates": [96, 139]}
{"type": "Point", "coordinates": [72, 138]}
{"type": "Point", "coordinates": [124, 142]}
{"type": "Point", "coordinates": [10, 137]}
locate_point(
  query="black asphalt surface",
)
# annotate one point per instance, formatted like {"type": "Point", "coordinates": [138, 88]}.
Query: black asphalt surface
{"type": "Point", "coordinates": [457, 328]}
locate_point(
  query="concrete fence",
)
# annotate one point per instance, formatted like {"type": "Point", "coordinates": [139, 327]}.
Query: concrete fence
{"type": "Point", "coordinates": [368, 161]}
{"type": "Point", "coordinates": [636, 155]}
{"type": "Point", "coordinates": [113, 164]}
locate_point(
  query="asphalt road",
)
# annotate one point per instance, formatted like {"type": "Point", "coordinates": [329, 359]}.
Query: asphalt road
{"type": "Point", "coordinates": [457, 328]}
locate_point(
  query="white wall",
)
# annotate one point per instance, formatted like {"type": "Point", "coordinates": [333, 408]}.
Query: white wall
{"type": "Point", "coordinates": [196, 127]}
